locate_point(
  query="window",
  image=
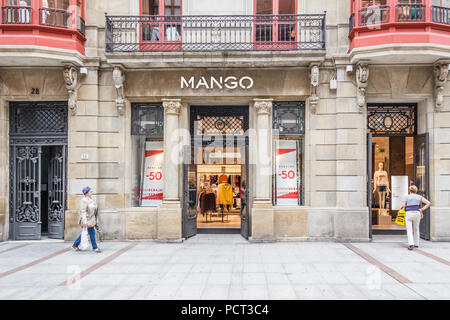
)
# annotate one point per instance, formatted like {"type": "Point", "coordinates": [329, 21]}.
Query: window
{"type": "Point", "coordinates": [441, 11]}
{"type": "Point", "coordinates": [17, 11]}
{"type": "Point", "coordinates": [147, 133]}
{"type": "Point", "coordinates": [410, 10]}
{"type": "Point", "coordinates": [289, 128]}
{"type": "Point", "coordinates": [373, 12]}
{"type": "Point", "coordinates": [441, 3]}
{"type": "Point", "coordinates": [152, 26]}
{"type": "Point", "coordinates": [56, 13]}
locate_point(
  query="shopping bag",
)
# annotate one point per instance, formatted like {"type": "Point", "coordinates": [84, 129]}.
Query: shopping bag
{"type": "Point", "coordinates": [84, 244]}
{"type": "Point", "coordinates": [400, 217]}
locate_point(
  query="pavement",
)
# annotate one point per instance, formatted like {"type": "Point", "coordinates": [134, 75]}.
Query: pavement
{"type": "Point", "coordinates": [222, 267]}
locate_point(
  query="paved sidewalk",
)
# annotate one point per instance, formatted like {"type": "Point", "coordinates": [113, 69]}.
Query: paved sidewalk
{"type": "Point", "coordinates": [226, 267]}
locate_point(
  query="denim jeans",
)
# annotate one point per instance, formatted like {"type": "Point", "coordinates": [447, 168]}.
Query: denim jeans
{"type": "Point", "coordinates": [91, 232]}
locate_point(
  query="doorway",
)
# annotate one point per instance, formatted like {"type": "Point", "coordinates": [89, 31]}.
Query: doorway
{"type": "Point", "coordinates": [38, 161]}
{"type": "Point", "coordinates": [397, 157]}
{"type": "Point", "coordinates": [216, 171]}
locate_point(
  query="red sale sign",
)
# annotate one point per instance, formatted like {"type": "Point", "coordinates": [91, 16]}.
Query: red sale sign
{"type": "Point", "coordinates": [152, 184]}
{"type": "Point", "coordinates": [286, 171]}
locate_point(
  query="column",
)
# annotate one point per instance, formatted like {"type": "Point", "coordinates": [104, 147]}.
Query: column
{"type": "Point", "coordinates": [169, 224]}
{"type": "Point", "coordinates": [262, 215]}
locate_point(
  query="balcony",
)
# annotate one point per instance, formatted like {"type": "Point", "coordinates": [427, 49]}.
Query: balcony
{"type": "Point", "coordinates": [226, 36]}
{"type": "Point", "coordinates": [43, 36]}
{"type": "Point", "coordinates": [400, 33]}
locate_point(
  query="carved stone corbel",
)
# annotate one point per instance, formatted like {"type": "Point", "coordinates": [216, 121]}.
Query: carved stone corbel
{"type": "Point", "coordinates": [315, 78]}
{"type": "Point", "coordinates": [72, 84]}
{"type": "Point", "coordinates": [119, 80]}
{"type": "Point", "coordinates": [362, 81]}
{"type": "Point", "coordinates": [440, 71]}
{"type": "Point", "coordinates": [172, 106]}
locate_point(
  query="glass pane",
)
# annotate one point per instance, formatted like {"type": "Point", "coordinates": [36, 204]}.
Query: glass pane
{"type": "Point", "coordinates": [50, 3]}
{"type": "Point", "coordinates": [168, 2]}
{"type": "Point", "coordinates": [264, 7]}
{"type": "Point", "coordinates": [25, 3]}
{"type": "Point", "coordinates": [178, 2]}
{"type": "Point", "coordinates": [177, 11]}
{"type": "Point", "coordinates": [167, 11]}
{"type": "Point", "coordinates": [287, 7]}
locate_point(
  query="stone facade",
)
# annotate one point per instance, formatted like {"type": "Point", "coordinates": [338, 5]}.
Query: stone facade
{"type": "Point", "coordinates": [335, 136]}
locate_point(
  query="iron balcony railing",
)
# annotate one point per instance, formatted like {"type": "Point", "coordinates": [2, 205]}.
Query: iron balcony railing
{"type": "Point", "coordinates": [16, 15]}
{"type": "Point", "coordinates": [215, 33]}
{"type": "Point", "coordinates": [410, 12]}
{"type": "Point", "coordinates": [373, 15]}
{"type": "Point", "coordinates": [55, 18]}
{"type": "Point", "coordinates": [441, 14]}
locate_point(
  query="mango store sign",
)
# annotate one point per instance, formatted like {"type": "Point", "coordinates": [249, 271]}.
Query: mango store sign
{"type": "Point", "coordinates": [230, 82]}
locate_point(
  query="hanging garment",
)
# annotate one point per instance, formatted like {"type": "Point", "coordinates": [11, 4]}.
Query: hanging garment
{"type": "Point", "coordinates": [223, 179]}
{"type": "Point", "coordinates": [225, 194]}
{"type": "Point", "coordinates": [209, 202]}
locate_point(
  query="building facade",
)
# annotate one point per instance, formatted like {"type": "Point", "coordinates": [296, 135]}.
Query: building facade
{"type": "Point", "coordinates": [277, 119]}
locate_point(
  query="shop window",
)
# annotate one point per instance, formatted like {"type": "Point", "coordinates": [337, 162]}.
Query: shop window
{"type": "Point", "coordinates": [147, 133]}
{"type": "Point", "coordinates": [289, 128]}
{"type": "Point", "coordinates": [162, 21]}
{"type": "Point", "coordinates": [373, 12]}
{"type": "Point", "coordinates": [17, 11]}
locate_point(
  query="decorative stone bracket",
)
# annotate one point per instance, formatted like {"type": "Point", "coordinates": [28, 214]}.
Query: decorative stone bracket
{"type": "Point", "coordinates": [70, 74]}
{"type": "Point", "coordinates": [315, 78]}
{"type": "Point", "coordinates": [119, 80]}
{"type": "Point", "coordinates": [440, 71]}
{"type": "Point", "coordinates": [362, 81]}
{"type": "Point", "coordinates": [172, 106]}
{"type": "Point", "coordinates": [263, 106]}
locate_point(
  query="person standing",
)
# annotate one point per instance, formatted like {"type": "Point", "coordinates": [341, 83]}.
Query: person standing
{"type": "Point", "coordinates": [87, 218]}
{"type": "Point", "coordinates": [414, 213]}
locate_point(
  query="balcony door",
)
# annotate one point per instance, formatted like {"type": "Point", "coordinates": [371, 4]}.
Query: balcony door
{"type": "Point", "coordinates": [275, 24]}
{"type": "Point", "coordinates": [161, 25]}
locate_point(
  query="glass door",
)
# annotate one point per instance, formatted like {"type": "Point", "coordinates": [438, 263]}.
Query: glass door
{"type": "Point", "coordinates": [189, 226]}
{"type": "Point", "coordinates": [422, 178]}
{"type": "Point", "coordinates": [369, 181]}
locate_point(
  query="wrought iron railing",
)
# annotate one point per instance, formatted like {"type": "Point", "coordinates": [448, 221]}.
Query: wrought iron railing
{"type": "Point", "coordinates": [374, 15]}
{"type": "Point", "coordinates": [410, 12]}
{"type": "Point", "coordinates": [215, 33]}
{"type": "Point", "coordinates": [16, 15]}
{"type": "Point", "coordinates": [441, 14]}
{"type": "Point", "coordinates": [55, 18]}
{"type": "Point", "coordinates": [351, 23]}
{"type": "Point", "coordinates": [81, 26]}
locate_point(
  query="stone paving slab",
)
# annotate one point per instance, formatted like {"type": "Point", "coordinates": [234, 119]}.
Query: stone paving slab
{"type": "Point", "coordinates": [220, 267]}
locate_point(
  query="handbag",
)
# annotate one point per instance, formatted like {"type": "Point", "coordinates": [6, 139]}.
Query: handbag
{"type": "Point", "coordinates": [400, 217]}
{"type": "Point", "coordinates": [84, 243]}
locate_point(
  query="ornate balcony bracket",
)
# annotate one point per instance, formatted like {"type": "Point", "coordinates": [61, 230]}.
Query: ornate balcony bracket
{"type": "Point", "coordinates": [440, 70]}
{"type": "Point", "coordinates": [362, 81]}
{"type": "Point", "coordinates": [119, 80]}
{"type": "Point", "coordinates": [71, 80]}
{"type": "Point", "coordinates": [315, 78]}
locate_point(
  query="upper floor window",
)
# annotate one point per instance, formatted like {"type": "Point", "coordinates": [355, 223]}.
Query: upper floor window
{"type": "Point", "coordinates": [161, 7]}
{"type": "Point", "coordinates": [373, 12]}
{"type": "Point", "coordinates": [275, 7]}
{"type": "Point", "coordinates": [166, 28]}
{"type": "Point", "coordinates": [410, 10]}
{"type": "Point", "coordinates": [56, 13]}
{"type": "Point", "coordinates": [441, 3]}
{"type": "Point", "coordinates": [16, 11]}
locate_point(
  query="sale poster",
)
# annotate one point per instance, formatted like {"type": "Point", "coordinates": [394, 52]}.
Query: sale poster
{"type": "Point", "coordinates": [286, 191]}
{"type": "Point", "coordinates": [152, 180]}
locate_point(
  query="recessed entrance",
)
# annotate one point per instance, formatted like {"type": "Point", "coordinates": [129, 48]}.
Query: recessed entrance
{"type": "Point", "coordinates": [216, 171]}
{"type": "Point", "coordinates": [397, 158]}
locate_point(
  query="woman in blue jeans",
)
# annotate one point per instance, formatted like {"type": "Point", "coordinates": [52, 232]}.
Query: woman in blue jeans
{"type": "Point", "coordinates": [87, 218]}
{"type": "Point", "coordinates": [414, 213]}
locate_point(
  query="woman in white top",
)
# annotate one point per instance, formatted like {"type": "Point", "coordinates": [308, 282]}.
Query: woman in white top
{"type": "Point", "coordinates": [414, 213]}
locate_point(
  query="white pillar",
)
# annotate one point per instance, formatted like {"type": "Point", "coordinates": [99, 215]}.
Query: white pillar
{"type": "Point", "coordinates": [172, 109]}
{"type": "Point", "coordinates": [263, 181]}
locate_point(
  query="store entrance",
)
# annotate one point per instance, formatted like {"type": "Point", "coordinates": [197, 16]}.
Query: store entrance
{"type": "Point", "coordinates": [397, 158]}
{"type": "Point", "coordinates": [216, 171]}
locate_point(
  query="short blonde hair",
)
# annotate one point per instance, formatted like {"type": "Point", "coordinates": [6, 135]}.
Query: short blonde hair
{"type": "Point", "coordinates": [413, 189]}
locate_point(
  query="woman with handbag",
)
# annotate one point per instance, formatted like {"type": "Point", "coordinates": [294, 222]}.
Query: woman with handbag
{"type": "Point", "coordinates": [414, 213]}
{"type": "Point", "coordinates": [87, 218]}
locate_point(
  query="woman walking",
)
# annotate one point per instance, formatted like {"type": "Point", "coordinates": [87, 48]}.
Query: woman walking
{"type": "Point", "coordinates": [87, 218]}
{"type": "Point", "coordinates": [411, 204]}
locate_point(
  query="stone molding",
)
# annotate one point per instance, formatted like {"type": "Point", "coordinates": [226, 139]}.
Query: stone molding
{"type": "Point", "coordinates": [440, 72]}
{"type": "Point", "coordinates": [72, 83]}
{"type": "Point", "coordinates": [263, 106]}
{"type": "Point", "coordinates": [362, 81]}
{"type": "Point", "coordinates": [172, 106]}
{"type": "Point", "coordinates": [315, 79]}
{"type": "Point", "coordinates": [119, 80]}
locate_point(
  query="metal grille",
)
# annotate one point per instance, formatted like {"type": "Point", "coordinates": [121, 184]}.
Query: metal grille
{"type": "Point", "coordinates": [392, 119]}
{"type": "Point", "coordinates": [215, 33]}
{"type": "Point", "coordinates": [147, 120]}
{"type": "Point", "coordinates": [219, 125]}
{"type": "Point", "coordinates": [289, 117]}
{"type": "Point", "coordinates": [38, 118]}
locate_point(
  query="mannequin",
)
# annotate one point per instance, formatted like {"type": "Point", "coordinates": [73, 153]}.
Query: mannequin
{"type": "Point", "coordinates": [381, 184]}
{"type": "Point", "coordinates": [225, 195]}
{"type": "Point", "coordinates": [223, 178]}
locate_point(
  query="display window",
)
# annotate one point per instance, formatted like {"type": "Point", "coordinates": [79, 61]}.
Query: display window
{"type": "Point", "coordinates": [147, 132]}
{"type": "Point", "coordinates": [288, 126]}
